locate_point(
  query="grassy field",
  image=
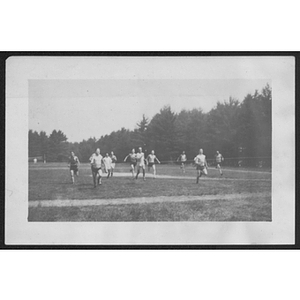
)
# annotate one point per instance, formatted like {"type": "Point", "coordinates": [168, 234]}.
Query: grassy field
{"type": "Point", "coordinates": [52, 182]}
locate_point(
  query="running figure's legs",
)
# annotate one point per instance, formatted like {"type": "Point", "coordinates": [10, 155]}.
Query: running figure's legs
{"type": "Point", "coordinates": [154, 171]}
{"type": "Point", "coordinates": [137, 173]}
{"type": "Point", "coordinates": [72, 176]}
{"type": "Point", "coordinates": [132, 171]}
{"type": "Point", "coordinates": [220, 170]}
{"type": "Point", "coordinates": [182, 167]}
{"type": "Point", "coordinates": [99, 177]}
{"type": "Point", "coordinates": [199, 173]}
{"type": "Point", "coordinates": [94, 177]}
{"type": "Point", "coordinates": [76, 173]}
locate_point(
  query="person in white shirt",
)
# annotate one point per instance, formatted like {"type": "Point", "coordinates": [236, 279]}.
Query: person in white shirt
{"type": "Point", "coordinates": [96, 163]}
{"type": "Point", "coordinates": [73, 164]}
{"type": "Point", "coordinates": [201, 164]}
{"type": "Point", "coordinates": [107, 164]}
{"type": "Point", "coordinates": [219, 159]}
{"type": "Point", "coordinates": [113, 163]}
{"type": "Point", "coordinates": [182, 159]}
{"type": "Point", "coordinates": [140, 159]}
{"type": "Point", "coordinates": [132, 158]}
{"type": "Point", "coordinates": [151, 162]}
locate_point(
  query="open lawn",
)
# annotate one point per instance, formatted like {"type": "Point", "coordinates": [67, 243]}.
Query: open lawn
{"type": "Point", "coordinates": [240, 195]}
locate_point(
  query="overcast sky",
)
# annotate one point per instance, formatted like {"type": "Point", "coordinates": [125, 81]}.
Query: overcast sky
{"type": "Point", "coordinates": [93, 96]}
{"type": "Point", "coordinates": [91, 108]}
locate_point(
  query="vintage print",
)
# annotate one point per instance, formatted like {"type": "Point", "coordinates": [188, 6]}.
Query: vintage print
{"type": "Point", "coordinates": [138, 150]}
{"type": "Point", "coordinates": [150, 150]}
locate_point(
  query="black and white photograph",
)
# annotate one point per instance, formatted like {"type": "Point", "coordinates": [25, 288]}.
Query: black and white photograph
{"type": "Point", "coordinates": [161, 149]}
{"type": "Point", "coordinates": [149, 150]}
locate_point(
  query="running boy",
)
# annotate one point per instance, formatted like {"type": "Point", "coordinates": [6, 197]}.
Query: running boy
{"type": "Point", "coordinates": [140, 159]}
{"type": "Point", "coordinates": [73, 164]}
{"type": "Point", "coordinates": [219, 158]}
{"type": "Point", "coordinates": [113, 163]}
{"type": "Point", "coordinates": [107, 164]}
{"type": "Point", "coordinates": [96, 163]}
{"type": "Point", "coordinates": [182, 159]}
{"type": "Point", "coordinates": [132, 157]}
{"type": "Point", "coordinates": [151, 162]}
{"type": "Point", "coordinates": [201, 164]}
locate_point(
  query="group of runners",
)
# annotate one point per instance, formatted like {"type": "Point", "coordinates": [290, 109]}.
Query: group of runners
{"type": "Point", "coordinates": [98, 162]}
{"type": "Point", "coordinates": [201, 163]}
{"type": "Point", "coordinates": [108, 162]}
{"type": "Point", "coordinates": [138, 163]}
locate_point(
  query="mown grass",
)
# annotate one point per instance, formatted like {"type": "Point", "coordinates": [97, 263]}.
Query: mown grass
{"type": "Point", "coordinates": [249, 209]}
{"type": "Point", "coordinates": [53, 182]}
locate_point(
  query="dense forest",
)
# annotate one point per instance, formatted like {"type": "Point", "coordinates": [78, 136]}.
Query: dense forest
{"type": "Point", "coordinates": [241, 131]}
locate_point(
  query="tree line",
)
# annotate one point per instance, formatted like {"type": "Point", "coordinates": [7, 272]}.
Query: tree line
{"type": "Point", "coordinates": [237, 129]}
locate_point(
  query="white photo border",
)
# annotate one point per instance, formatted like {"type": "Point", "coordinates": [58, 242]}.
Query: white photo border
{"type": "Point", "coordinates": [281, 231]}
